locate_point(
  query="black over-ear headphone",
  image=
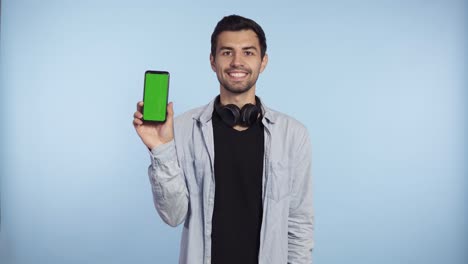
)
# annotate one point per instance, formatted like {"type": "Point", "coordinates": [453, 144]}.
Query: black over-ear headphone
{"type": "Point", "coordinates": [232, 115]}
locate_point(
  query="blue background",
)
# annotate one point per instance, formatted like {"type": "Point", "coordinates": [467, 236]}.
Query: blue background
{"type": "Point", "coordinates": [381, 86]}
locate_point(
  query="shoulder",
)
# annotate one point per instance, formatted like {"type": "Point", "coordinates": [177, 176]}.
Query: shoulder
{"type": "Point", "coordinates": [286, 123]}
{"type": "Point", "coordinates": [289, 137]}
{"type": "Point", "coordinates": [184, 126]}
{"type": "Point", "coordinates": [187, 117]}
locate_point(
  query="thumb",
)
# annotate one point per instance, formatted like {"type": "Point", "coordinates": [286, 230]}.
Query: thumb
{"type": "Point", "coordinates": [170, 109]}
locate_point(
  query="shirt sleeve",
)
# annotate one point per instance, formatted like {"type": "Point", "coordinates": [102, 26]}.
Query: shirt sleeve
{"type": "Point", "coordinates": [301, 214]}
{"type": "Point", "coordinates": [170, 194]}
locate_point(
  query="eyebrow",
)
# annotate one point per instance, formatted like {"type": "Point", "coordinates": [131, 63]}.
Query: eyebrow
{"type": "Point", "coordinates": [249, 47]}
{"type": "Point", "coordinates": [244, 48]}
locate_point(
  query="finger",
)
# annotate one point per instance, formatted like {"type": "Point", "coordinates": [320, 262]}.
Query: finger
{"type": "Point", "coordinates": [170, 114]}
{"type": "Point", "coordinates": [140, 106]}
{"type": "Point", "coordinates": [138, 114]}
{"type": "Point", "coordinates": [137, 122]}
{"type": "Point", "coordinates": [170, 109]}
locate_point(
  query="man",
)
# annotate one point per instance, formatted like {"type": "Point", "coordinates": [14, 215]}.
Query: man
{"type": "Point", "coordinates": [237, 173]}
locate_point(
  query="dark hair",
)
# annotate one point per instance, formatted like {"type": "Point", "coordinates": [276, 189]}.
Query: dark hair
{"type": "Point", "coordinates": [238, 23]}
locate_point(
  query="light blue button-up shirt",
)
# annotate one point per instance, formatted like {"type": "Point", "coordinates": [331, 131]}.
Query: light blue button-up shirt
{"type": "Point", "coordinates": [183, 184]}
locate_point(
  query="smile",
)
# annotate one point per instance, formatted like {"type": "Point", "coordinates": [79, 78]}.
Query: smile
{"type": "Point", "coordinates": [237, 74]}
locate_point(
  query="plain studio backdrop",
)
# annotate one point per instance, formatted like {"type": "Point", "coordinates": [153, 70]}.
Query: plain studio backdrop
{"type": "Point", "coordinates": [381, 86]}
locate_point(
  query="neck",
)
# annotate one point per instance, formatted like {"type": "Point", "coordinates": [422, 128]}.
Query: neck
{"type": "Point", "coordinates": [240, 99]}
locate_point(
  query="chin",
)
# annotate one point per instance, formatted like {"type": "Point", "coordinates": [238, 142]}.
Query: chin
{"type": "Point", "coordinates": [237, 90]}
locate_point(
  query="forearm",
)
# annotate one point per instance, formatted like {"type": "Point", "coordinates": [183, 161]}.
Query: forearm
{"type": "Point", "coordinates": [300, 238]}
{"type": "Point", "coordinates": [169, 189]}
{"type": "Point", "coordinates": [301, 212]}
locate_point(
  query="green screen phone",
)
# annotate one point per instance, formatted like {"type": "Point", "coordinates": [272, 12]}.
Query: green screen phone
{"type": "Point", "coordinates": [155, 96]}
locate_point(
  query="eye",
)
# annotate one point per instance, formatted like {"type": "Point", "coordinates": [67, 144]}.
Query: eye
{"type": "Point", "coordinates": [226, 53]}
{"type": "Point", "coordinates": [249, 53]}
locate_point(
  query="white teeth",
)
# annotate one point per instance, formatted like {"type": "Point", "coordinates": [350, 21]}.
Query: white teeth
{"type": "Point", "coordinates": [237, 74]}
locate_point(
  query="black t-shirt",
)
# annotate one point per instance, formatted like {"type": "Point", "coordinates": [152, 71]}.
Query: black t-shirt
{"type": "Point", "coordinates": [237, 215]}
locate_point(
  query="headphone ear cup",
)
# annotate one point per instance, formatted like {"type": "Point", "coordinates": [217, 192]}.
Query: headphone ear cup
{"type": "Point", "coordinates": [249, 114]}
{"type": "Point", "coordinates": [230, 114]}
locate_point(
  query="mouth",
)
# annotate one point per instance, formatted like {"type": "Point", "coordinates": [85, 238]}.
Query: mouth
{"type": "Point", "coordinates": [237, 75]}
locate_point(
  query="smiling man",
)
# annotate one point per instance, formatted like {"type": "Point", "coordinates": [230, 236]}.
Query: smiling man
{"type": "Point", "coordinates": [237, 173]}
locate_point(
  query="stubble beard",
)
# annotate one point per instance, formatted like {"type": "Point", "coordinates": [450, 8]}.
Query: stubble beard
{"type": "Point", "coordinates": [236, 90]}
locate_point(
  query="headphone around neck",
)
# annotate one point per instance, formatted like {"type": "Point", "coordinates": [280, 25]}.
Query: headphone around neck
{"type": "Point", "coordinates": [232, 115]}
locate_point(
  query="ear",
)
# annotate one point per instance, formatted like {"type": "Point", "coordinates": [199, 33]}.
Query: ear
{"type": "Point", "coordinates": [212, 62]}
{"type": "Point", "coordinates": [264, 63]}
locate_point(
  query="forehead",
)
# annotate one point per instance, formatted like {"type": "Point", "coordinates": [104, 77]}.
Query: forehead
{"type": "Point", "coordinates": [242, 38]}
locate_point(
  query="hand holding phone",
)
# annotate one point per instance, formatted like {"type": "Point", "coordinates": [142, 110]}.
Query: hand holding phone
{"type": "Point", "coordinates": [154, 132]}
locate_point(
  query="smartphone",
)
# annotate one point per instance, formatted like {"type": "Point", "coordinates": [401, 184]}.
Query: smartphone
{"type": "Point", "coordinates": [155, 95]}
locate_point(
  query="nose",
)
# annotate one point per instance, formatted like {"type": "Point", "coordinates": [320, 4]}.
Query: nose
{"type": "Point", "coordinates": [236, 61]}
